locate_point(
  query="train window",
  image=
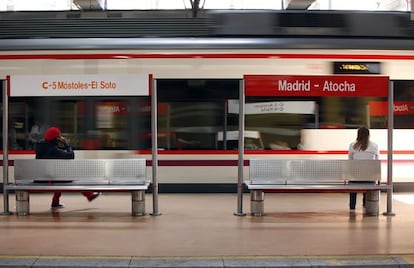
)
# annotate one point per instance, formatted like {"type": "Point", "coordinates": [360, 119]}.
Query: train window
{"type": "Point", "coordinates": [191, 113]}
{"type": "Point", "coordinates": [279, 120]}
{"type": "Point", "coordinates": [196, 112]}
{"type": "Point", "coordinates": [280, 127]}
{"type": "Point", "coordinates": [89, 122]}
{"type": "Point", "coordinates": [404, 104]}
{"type": "Point", "coordinates": [230, 140]}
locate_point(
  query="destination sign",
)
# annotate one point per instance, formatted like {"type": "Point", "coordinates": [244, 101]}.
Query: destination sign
{"type": "Point", "coordinates": [302, 86]}
{"type": "Point", "coordinates": [352, 67]}
{"type": "Point", "coordinates": [79, 85]}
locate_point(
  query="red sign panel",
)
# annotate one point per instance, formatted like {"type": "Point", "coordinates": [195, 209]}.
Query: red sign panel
{"type": "Point", "coordinates": [315, 86]}
{"type": "Point", "coordinates": [380, 108]}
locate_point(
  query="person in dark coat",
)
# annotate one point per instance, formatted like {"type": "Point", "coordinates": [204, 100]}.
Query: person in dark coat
{"type": "Point", "coordinates": [55, 146]}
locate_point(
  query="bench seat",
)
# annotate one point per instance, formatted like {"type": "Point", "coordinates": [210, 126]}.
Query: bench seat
{"type": "Point", "coordinates": [70, 187]}
{"type": "Point", "coordinates": [77, 175]}
{"type": "Point", "coordinates": [345, 188]}
{"type": "Point", "coordinates": [314, 176]}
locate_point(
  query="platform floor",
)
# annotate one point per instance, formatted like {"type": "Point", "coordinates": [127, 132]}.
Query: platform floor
{"type": "Point", "coordinates": [202, 227]}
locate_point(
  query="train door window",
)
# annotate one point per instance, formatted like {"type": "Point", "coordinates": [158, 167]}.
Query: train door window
{"type": "Point", "coordinates": [194, 111]}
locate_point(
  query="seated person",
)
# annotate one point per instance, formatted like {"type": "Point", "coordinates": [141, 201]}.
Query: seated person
{"type": "Point", "coordinates": [55, 146]}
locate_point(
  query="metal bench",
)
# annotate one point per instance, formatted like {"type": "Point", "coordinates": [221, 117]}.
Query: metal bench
{"type": "Point", "coordinates": [100, 175]}
{"type": "Point", "coordinates": [314, 176]}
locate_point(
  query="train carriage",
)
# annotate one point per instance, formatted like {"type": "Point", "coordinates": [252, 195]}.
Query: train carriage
{"type": "Point", "coordinates": [197, 88]}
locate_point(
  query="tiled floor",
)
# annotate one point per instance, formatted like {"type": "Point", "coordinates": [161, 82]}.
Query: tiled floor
{"type": "Point", "coordinates": [194, 225]}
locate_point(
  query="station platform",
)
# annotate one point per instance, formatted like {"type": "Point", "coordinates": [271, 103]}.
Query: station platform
{"type": "Point", "coordinates": [201, 230]}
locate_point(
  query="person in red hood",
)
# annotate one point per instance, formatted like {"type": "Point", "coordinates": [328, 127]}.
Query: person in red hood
{"type": "Point", "coordinates": [55, 146]}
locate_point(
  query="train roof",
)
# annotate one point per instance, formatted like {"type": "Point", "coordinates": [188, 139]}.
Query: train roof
{"type": "Point", "coordinates": [235, 29]}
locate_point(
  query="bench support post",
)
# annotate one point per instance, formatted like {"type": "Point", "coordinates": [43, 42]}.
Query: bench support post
{"type": "Point", "coordinates": [257, 202]}
{"type": "Point", "coordinates": [22, 203]}
{"type": "Point", "coordinates": [138, 203]}
{"type": "Point", "coordinates": [372, 203]}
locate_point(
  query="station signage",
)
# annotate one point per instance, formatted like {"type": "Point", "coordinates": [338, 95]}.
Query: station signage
{"type": "Point", "coordinates": [315, 86]}
{"type": "Point", "coordinates": [79, 85]}
{"type": "Point", "coordinates": [356, 67]}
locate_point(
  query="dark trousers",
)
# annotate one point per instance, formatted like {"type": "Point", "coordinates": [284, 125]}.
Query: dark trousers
{"type": "Point", "coordinates": [353, 196]}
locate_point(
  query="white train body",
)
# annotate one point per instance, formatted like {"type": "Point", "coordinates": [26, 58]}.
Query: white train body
{"type": "Point", "coordinates": [181, 166]}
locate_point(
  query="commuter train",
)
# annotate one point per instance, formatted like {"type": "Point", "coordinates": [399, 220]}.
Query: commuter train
{"type": "Point", "coordinates": [197, 92]}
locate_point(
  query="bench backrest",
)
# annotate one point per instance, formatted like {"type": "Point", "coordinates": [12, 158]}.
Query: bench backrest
{"type": "Point", "coordinates": [310, 171]}
{"type": "Point", "coordinates": [126, 171]}
{"type": "Point", "coordinates": [81, 171]}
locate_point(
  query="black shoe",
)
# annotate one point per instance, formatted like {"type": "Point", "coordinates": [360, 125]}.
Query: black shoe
{"type": "Point", "coordinates": [57, 206]}
{"type": "Point", "coordinates": [94, 195]}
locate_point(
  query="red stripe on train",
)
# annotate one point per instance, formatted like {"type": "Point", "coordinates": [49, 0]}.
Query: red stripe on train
{"type": "Point", "coordinates": [124, 56]}
{"type": "Point", "coordinates": [231, 152]}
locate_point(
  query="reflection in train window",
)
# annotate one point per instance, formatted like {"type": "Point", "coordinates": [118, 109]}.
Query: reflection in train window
{"type": "Point", "coordinates": [192, 113]}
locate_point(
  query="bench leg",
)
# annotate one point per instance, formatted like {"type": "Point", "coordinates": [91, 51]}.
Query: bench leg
{"type": "Point", "coordinates": [372, 203]}
{"type": "Point", "coordinates": [138, 203]}
{"type": "Point", "coordinates": [257, 202]}
{"type": "Point", "coordinates": [22, 203]}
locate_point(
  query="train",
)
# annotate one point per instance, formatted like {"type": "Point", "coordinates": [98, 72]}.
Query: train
{"type": "Point", "coordinates": [198, 90]}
